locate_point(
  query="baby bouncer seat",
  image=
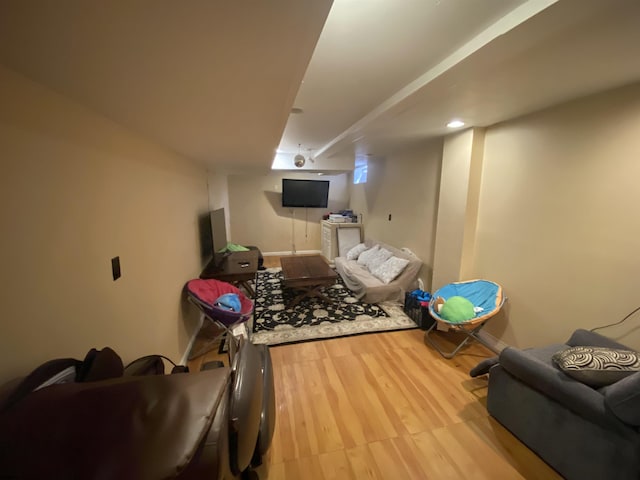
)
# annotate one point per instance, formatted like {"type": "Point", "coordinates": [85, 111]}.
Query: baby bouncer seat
{"type": "Point", "coordinates": [487, 298]}
{"type": "Point", "coordinates": [205, 294]}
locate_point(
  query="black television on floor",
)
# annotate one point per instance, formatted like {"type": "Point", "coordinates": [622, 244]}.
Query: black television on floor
{"type": "Point", "coordinates": [305, 193]}
{"type": "Point", "coordinates": [218, 230]}
{"type": "Point", "coordinates": [206, 239]}
{"type": "Point", "coordinates": [213, 236]}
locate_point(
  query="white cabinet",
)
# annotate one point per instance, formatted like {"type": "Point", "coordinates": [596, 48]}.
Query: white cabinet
{"type": "Point", "coordinates": [337, 238]}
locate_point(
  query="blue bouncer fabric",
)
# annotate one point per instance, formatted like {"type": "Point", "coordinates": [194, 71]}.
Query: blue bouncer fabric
{"type": "Point", "coordinates": [487, 298]}
{"type": "Point", "coordinates": [484, 294]}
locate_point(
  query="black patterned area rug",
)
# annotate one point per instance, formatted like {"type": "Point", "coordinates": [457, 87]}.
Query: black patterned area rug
{"type": "Point", "coordinates": [313, 318]}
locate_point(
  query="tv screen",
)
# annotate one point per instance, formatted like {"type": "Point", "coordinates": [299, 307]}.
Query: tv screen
{"type": "Point", "coordinates": [305, 193]}
{"type": "Point", "coordinates": [218, 231]}
{"type": "Point", "coordinates": [206, 239]}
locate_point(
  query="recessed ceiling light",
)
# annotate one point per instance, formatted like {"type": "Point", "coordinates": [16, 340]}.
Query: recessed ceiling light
{"type": "Point", "coordinates": [455, 124]}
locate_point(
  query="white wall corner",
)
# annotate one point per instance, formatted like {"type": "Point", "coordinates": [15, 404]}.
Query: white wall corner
{"type": "Point", "coordinates": [493, 342]}
{"type": "Point", "coordinates": [185, 355]}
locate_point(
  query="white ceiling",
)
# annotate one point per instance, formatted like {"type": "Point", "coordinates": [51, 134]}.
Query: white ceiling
{"type": "Point", "coordinates": [215, 80]}
{"type": "Point", "coordinates": [211, 79]}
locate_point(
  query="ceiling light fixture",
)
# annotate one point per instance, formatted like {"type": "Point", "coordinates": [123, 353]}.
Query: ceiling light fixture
{"type": "Point", "coordinates": [298, 160]}
{"type": "Point", "coordinates": [455, 124]}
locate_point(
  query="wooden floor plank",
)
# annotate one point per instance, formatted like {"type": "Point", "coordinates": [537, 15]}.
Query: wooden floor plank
{"type": "Point", "coordinates": [336, 466]}
{"type": "Point", "coordinates": [351, 430]}
{"type": "Point", "coordinates": [322, 426]}
{"type": "Point", "coordinates": [308, 468]}
{"type": "Point", "coordinates": [363, 463]}
{"type": "Point", "coordinates": [410, 418]}
{"type": "Point", "coordinates": [389, 460]}
{"type": "Point", "coordinates": [435, 460]}
{"type": "Point", "coordinates": [517, 454]}
{"type": "Point", "coordinates": [365, 399]}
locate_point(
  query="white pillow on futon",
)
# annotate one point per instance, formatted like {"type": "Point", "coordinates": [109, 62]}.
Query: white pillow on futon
{"type": "Point", "coordinates": [367, 254]}
{"type": "Point", "coordinates": [378, 258]}
{"type": "Point", "coordinates": [355, 252]}
{"type": "Point", "coordinates": [390, 269]}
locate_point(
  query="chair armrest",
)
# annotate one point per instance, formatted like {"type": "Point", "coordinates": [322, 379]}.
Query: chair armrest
{"type": "Point", "coordinates": [587, 338]}
{"type": "Point", "coordinates": [575, 396]}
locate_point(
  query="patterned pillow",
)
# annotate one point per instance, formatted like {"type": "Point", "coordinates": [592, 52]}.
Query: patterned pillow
{"type": "Point", "coordinates": [597, 366]}
{"type": "Point", "coordinates": [355, 252]}
{"type": "Point", "coordinates": [364, 257]}
{"type": "Point", "coordinates": [378, 258]}
{"type": "Point", "coordinates": [390, 269]}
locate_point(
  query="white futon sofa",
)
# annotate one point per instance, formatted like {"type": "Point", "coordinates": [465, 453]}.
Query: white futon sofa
{"type": "Point", "coordinates": [371, 289]}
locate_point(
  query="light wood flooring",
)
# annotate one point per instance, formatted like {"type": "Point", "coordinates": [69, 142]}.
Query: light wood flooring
{"type": "Point", "coordinates": [387, 406]}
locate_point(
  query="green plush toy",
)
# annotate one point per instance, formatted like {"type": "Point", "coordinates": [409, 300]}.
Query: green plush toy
{"type": "Point", "coordinates": [457, 309]}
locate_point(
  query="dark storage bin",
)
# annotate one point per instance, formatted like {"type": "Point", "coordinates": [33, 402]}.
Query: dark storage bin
{"type": "Point", "coordinates": [417, 312]}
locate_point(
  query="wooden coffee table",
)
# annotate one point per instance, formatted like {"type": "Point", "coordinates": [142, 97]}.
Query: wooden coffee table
{"type": "Point", "coordinates": [309, 274]}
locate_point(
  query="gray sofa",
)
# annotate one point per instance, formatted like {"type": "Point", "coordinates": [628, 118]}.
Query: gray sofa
{"type": "Point", "coordinates": [582, 432]}
{"type": "Point", "coordinates": [369, 288]}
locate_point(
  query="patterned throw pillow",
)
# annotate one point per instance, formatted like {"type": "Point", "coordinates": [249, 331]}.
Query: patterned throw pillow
{"type": "Point", "coordinates": [390, 269]}
{"type": "Point", "coordinates": [355, 252]}
{"type": "Point", "coordinates": [597, 366]}
{"type": "Point", "coordinates": [378, 258]}
{"type": "Point", "coordinates": [367, 254]}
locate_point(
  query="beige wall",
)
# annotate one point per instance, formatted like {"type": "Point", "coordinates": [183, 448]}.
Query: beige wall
{"type": "Point", "coordinates": [405, 185]}
{"type": "Point", "coordinates": [457, 206]}
{"type": "Point", "coordinates": [218, 189]}
{"type": "Point", "coordinates": [558, 219]}
{"type": "Point", "coordinates": [257, 217]}
{"type": "Point", "coordinates": [77, 190]}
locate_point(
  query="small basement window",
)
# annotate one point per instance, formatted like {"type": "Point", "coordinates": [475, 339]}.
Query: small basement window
{"type": "Point", "coordinates": [360, 170]}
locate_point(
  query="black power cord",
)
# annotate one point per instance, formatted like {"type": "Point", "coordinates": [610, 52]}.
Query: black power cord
{"type": "Point", "coordinates": [617, 323]}
{"type": "Point", "coordinates": [176, 368]}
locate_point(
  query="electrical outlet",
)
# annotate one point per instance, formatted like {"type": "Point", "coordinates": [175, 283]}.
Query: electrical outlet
{"type": "Point", "coordinates": [115, 268]}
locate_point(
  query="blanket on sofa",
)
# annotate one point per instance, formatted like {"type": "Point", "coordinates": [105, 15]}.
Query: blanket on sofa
{"type": "Point", "coordinates": [369, 288]}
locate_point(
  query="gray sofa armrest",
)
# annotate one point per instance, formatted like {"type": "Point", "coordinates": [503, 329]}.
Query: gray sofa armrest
{"type": "Point", "coordinates": [623, 398]}
{"type": "Point", "coordinates": [586, 338]}
{"type": "Point", "coordinates": [575, 396]}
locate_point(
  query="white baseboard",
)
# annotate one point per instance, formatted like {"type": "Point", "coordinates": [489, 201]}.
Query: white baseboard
{"type": "Point", "coordinates": [187, 352]}
{"type": "Point", "coordinates": [496, 344]}
{"type": "Point", "coordinates": [297, 252]}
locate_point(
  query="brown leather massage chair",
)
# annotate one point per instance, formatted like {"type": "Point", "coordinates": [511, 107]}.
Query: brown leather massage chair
{"type": "Point", "coordinates": [95, 419]}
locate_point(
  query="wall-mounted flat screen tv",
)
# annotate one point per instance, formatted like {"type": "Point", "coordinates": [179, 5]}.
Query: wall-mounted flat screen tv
{"type": "Point", "coordinates": [305, 193]}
